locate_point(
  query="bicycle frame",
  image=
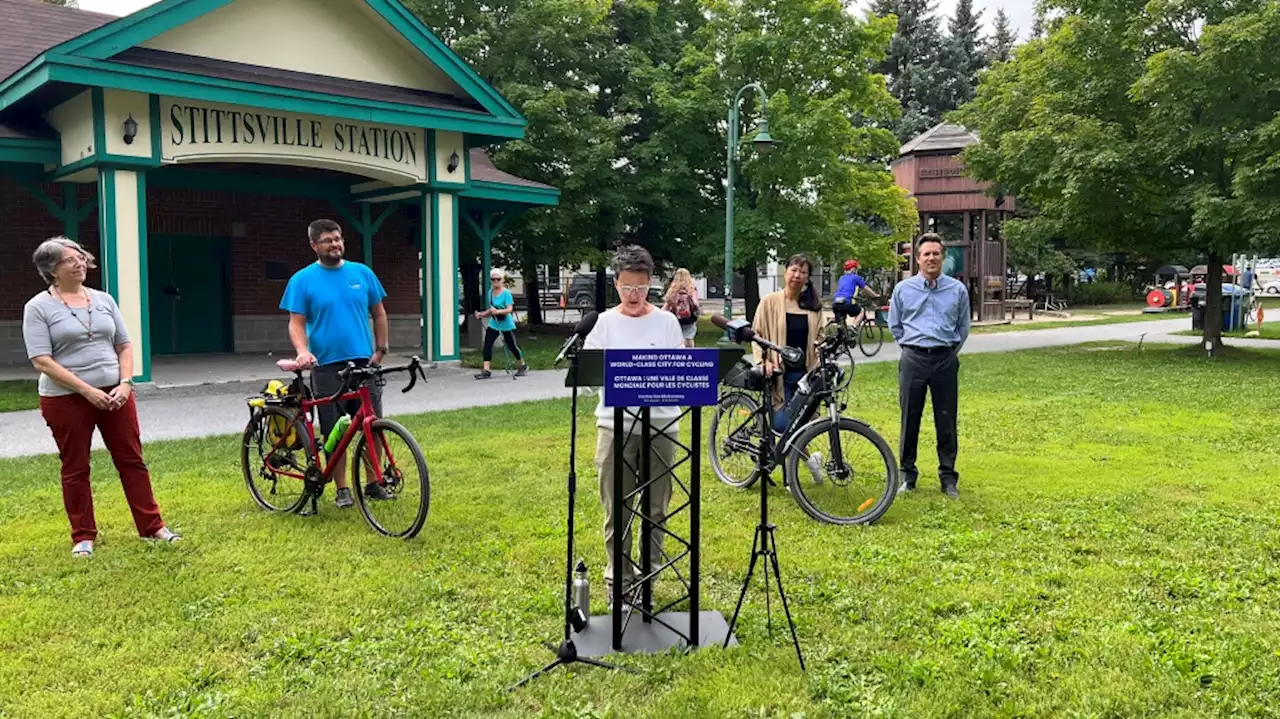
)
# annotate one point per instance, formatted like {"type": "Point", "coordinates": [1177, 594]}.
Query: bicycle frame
{"type": "Point", "coordinates": [362, 422]}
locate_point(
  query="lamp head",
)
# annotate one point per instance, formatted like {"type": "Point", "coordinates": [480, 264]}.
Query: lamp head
{"type": "Point", "coordinates": [130, 130]}
{"type": "Point", "coordinates": [763, 141]}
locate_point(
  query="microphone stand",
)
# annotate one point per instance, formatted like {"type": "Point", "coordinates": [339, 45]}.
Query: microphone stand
{"type": "Point", "coordinates": [765, 544]}
{"type": "Point", "coordinates": [567, 652]}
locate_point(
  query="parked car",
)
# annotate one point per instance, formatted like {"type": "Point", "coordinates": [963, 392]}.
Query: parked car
{"type": "Point", "coordinates": [582, 292]}
{"type": "Point", "coordinates": [1270, 288]}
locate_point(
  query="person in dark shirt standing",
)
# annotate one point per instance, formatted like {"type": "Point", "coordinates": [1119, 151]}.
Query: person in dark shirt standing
{"type": "Point", "coordinates": [929, 319]}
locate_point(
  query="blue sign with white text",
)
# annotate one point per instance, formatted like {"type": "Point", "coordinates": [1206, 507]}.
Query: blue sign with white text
{"type": "Point", "coordinates": [661, 378]}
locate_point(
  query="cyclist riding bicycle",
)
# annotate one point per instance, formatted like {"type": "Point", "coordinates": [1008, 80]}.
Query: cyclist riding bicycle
{"type": "Point", "coordinates": [329, 304]}
{"type": "Point", "coordinates": [850, 286]}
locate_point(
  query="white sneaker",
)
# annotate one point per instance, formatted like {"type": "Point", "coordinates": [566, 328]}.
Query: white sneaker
{"type": "Point", "coordinates": [83, 549]}
{"type": "Point", "coordinates": [165, 535]}
{"type": "Point", "coordinates": [814, 463]}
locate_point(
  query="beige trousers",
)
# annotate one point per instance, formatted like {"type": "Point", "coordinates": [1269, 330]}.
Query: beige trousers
{"type": "Point", "coordinates": [661, 454]}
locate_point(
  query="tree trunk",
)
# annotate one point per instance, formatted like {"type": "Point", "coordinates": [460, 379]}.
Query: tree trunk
{"type": "Point", "coordinates": [1213, 302]}
{"type": "Point", "coordinates": [601, 278]}
{"type": "Point", "coordinates": [472, 300]}
{"type": "Point", "coordinates": [471, 295]}
{"type": "Point", "coordinates": [750, 290]}
{"type": "Point", "coordinates": [532, 291]}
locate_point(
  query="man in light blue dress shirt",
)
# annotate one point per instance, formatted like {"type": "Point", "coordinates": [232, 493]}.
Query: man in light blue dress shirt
{"type": "Point", "coordinates": [929, 319]}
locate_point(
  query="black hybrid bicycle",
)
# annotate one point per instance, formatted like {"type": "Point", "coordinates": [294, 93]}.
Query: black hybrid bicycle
{"type": "Point", "coordinates": [838, 469]}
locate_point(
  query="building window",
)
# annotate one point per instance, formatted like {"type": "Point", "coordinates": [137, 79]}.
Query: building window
{"type": "Point", "coordinates": [277, 270]}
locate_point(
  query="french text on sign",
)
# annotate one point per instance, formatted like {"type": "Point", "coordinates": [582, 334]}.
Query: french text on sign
{"type": "Point", "coordinates": [662, 378]}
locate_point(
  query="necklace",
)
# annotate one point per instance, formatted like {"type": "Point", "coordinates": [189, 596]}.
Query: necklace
{"type": "Point", "coordinates": [88, 304]}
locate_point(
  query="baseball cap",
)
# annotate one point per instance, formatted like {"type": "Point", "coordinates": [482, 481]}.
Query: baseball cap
{"type": "Point", "coordinates": [496, 274]}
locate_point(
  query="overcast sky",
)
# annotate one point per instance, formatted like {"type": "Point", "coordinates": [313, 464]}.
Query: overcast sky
{"type": "Point", "coordinates": [1019, 11]}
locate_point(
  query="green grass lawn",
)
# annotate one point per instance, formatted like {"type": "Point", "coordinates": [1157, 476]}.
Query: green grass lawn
{"type": "Point", "coordinates": [18, 394]}
{"type": "Point", "coordinates": [1114, 554]}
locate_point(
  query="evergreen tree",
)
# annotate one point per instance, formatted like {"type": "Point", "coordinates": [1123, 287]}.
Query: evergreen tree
{"type": "Point", "coordinates": [964, 56]}
{"type": "Point", "coordinates": [914, 66]}
{"type": "Point", "coordinates": [1003, 38]}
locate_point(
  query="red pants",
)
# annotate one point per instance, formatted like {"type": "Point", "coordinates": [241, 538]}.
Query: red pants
{"type": "Point", "coordinates": [72, 419]}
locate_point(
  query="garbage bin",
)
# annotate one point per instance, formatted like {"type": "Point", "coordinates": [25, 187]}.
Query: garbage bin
{"type": "Point", "coordinates": [1232, 313]}
{"type": "Point", "coordinates": [1197, 315]}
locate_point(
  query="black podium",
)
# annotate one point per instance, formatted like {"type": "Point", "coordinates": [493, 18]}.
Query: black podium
{"type": "Point", "coordinates": [660, 628]}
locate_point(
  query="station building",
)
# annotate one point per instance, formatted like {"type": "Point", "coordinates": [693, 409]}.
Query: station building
{"type": "Point", "coordinates": [189, 145]}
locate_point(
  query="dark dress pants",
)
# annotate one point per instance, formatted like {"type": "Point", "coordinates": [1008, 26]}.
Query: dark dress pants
{"type": "Point", "coordinates": [935, 373]}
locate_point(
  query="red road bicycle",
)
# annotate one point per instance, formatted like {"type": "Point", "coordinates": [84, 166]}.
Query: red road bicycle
{"type": "Point", "coordinates": [280, 456]}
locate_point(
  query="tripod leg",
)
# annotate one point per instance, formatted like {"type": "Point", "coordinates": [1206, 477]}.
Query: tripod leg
{"type": "Point", "coordinates": [755, 545]}
{"type": "Point", "coordinates": [768, 591]}
{"type": "Point", "coordinates": [777, 574]}
{"type": "Point", "coordinates": [555, 663]}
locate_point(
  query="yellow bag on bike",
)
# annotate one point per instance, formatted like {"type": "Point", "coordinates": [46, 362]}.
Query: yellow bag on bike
{"type": "Point", "coordinates": [282, 430]}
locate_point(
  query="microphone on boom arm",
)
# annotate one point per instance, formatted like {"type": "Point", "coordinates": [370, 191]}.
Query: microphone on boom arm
{"type": "Point", "coordinates": [740, 331]}
{"type": "Point", "coordinates": [580, 333]}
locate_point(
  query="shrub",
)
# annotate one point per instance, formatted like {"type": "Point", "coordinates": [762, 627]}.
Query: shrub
{"type": "Point", "coordinates": [1100, 293]}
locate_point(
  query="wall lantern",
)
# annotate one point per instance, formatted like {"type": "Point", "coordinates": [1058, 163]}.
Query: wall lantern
{"type": "Point", "coordinates": [130, 130]}
{"type": "Point", "coordinates": [453, 162]}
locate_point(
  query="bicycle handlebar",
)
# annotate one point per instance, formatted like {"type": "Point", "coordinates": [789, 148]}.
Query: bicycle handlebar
{"type": "Point", "coordinates": [414, 368]}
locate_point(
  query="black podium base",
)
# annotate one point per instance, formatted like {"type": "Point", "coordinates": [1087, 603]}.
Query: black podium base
{"type": "Point", "coordinates": [649, 638]}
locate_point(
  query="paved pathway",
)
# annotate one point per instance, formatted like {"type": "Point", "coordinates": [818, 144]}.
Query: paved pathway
{"type": "Point", "coordinates": [220, 409]}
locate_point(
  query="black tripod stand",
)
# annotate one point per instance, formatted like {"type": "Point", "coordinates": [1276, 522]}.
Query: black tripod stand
{"type": "Point", "coordinates": [567, 652]}
{"type": "Point", "coordinates": [765, 545]}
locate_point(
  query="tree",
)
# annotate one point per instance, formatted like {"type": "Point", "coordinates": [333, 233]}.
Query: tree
{"type": "Point", "coordinates": [1003, 38]}
{"type": "Point", "coordinates": [826, 190]}
{"type": "Point", "coordinates": [914, 66]}
{"type": "Point", "coordinates": [1145, 130]}
{"type": "Point", "coordinates": [963, 54]}
{"type": "Point", "coordinates": [546, 58]}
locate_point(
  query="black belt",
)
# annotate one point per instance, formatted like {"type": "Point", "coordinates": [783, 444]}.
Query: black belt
{"type": "Point", "coordinates": [929, 350]}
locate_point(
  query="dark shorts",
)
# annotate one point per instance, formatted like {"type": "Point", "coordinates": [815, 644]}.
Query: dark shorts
{"type": "Point", "coordinates": [325, 381]}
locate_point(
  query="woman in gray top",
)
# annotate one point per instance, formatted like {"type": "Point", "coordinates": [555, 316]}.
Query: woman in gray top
{"type": "Point", "coordinates": [76, 338]}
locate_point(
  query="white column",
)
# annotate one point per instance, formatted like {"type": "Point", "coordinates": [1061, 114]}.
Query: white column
{"type": "Point", "coordinates": [446, 344]}
{"type": "Point", "coordinates": [122, 219]}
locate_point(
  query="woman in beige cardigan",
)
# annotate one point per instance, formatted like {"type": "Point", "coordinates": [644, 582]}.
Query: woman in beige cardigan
{"type": "Point", "coordinates": [792, 317]}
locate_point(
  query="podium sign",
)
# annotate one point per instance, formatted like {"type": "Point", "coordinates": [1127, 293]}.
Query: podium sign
{"type": "Point", "coordinates": [661, 377]}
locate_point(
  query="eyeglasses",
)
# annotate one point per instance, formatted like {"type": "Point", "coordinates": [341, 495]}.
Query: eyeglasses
{"type": "Point", "coordinates": [333, 241]}
{"type": "Point", "coordinates": [74, 260]}
{"type": "Point", "coordinates": [632, 289]}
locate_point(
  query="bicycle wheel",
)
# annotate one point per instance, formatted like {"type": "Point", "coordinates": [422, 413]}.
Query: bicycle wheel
{"type": "Point", "coordinates": [402, 473]}
{"type": "Point", "coordinates": [734, 439]}
{"type": "Point", "coordinates": [857, 490]}
{"type": "Point", "coordinates": [275, 441]}
{"type": "Point", "coordinates": [870, 338]}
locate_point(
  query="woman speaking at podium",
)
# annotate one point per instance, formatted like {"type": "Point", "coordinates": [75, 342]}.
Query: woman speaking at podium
{"type": "Point", "coordinates": [791, 317]}
{"type": "Point", "coordinates": [634, 324]}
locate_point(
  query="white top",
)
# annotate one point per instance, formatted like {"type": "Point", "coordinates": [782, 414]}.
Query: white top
{"type": "Point", "coordinates": [656, 330]}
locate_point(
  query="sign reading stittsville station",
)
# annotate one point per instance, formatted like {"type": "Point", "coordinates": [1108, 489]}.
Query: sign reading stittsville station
{"type": "Point", "coordinates": [189, 145]}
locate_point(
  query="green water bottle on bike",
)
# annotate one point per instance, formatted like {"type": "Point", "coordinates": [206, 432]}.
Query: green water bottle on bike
{"type": "Point", "coordinates": [336, 433]}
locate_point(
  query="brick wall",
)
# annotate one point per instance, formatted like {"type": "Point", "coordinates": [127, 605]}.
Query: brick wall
{"type": "Point", "coordinates": [26, 224]}
{"type": "Point", "coordinates": [275, 229]}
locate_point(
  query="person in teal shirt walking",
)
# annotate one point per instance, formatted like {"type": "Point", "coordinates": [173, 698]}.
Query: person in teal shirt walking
{"type": "Point", "coordinates": [502, 321]}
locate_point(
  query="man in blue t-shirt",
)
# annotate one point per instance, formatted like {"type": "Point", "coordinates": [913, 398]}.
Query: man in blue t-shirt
{"type": "Point", "coordinates": [850, 285]}
{"type": "Point", "coordinates": [329, 303]}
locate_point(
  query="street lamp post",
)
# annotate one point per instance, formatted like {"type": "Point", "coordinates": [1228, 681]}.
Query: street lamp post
{"type": "Point", "coordinates": [763, 143]}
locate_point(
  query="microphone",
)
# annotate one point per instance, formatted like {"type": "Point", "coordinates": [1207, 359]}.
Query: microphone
{"type": "Point", "coordinates": [580, 333]}
{"type": "Point", "coordinates": [740, 331]}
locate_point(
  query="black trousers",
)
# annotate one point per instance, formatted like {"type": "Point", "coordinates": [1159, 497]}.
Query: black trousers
{"type": "Point", "coordinates": [938, 374]}
{"type": "Point", "coordinates": [508, 336]}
